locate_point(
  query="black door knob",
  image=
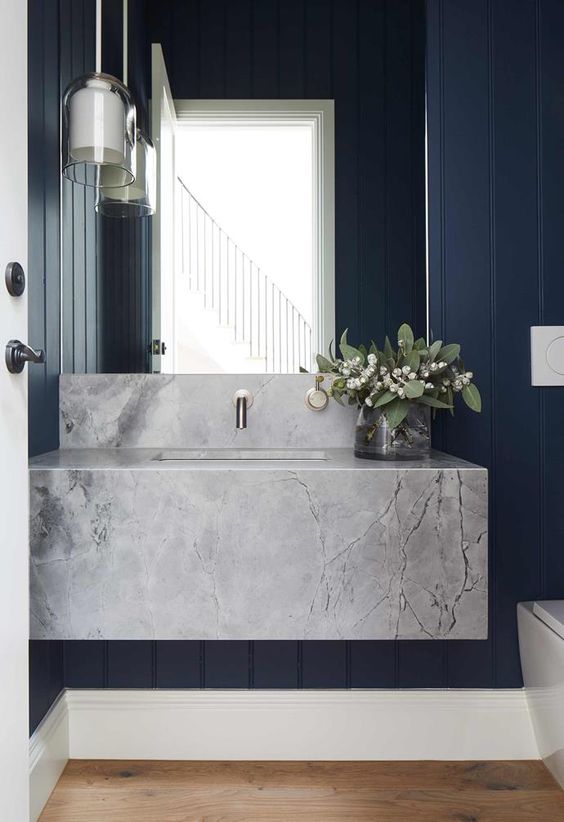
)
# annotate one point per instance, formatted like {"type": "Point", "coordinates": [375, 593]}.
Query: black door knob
{"type": "Point", "coordinates": [18, 353]}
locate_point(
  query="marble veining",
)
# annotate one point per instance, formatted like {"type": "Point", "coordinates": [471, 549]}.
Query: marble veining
{"type": "Point", "coordinates": [279, 552]}
{"type": "Point", "coordinates": [196, 411]}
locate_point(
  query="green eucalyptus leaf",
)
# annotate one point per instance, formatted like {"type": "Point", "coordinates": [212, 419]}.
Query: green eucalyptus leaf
{"type": "Point", "coordinates": [363, 351]}
{"type": "Point", "coordinates": [419, 344]}
{"type": "Point", "coordinates": [396, 412]}
{"type": "Point", "coordinates": [323, 364]}
{"type": "Point", "coordinates": [349, 352]}
{"type": "Point", "coordinates": [449, 353]}
{"type": "Point", "coordinates": [472, 398]}
{"type": "Point", "coordinates": [425, 399]}
{"type": "Point", "coordinates": [373, 348]}
{"type": "Point", "coordinates": [331, 355]}
{"type": "Point", "coordinates": [304, 370]}
{"type": "Point", "coordinates": [434, 350]}
{"type": "Point", "coordinates": [388, 350]}
{"type": "Point", "coordinates": [344, 337]}
{"type": "Point", "coordinates": [413, 389]}
{"type": "Point", "coordinates": [385, 398]}
{"type": "Point", "coordinates": [413, 359]}
{"type": "Point", "coordinates": [405, 338]}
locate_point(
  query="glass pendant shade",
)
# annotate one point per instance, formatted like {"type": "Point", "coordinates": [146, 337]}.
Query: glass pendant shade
{"type": "Point", "coordinates": [139, 198]}
{"type": "Point", "coordinates": [99, 132]}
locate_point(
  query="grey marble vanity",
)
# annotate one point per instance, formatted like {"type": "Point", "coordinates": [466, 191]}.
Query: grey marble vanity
{"type": "Point", "coordinates": [126, 545]}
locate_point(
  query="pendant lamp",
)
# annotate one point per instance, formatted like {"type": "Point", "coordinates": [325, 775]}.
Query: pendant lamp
{"type": "Point", "coordinates": [138, 199]}
{"type": "Point", "coordinates": [99, 126]}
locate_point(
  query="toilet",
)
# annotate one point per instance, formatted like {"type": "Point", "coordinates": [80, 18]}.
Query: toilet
{"type": "Point", "coordinates": [541, 645]}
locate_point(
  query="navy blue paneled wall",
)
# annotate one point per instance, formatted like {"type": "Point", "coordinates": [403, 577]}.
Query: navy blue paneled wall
{"type": "Point", "coordinates": [124, 246]}
{"type": "Point", "coordinates": [496, 182]}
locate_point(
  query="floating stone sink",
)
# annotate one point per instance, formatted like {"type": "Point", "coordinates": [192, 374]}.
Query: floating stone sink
{"type": "Point", "coordinates": [125, 545]}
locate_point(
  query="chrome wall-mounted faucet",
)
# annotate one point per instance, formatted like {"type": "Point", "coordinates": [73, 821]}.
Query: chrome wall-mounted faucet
{"type": "Point", "coordinates": [242, 400]}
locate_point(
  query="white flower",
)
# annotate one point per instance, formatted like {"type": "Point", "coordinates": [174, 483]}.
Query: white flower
{"type": "Point", "coordinates": [465, 380]}
{"type": "Point", "coordinates": [397, 372]}
{"type": "Point", "coordinates": [406, 369]}
{"type": "Point", "coordinates": [469, 374]}
{"type": "Point", "coordinates": [429, 386]}
{"type": "Point", "coordinates": [446, 382]}
{"type": "Point", "coordinates": [425, 373]}
{"type": "Point", "coordinates": [383, 370]}
{"type": "Point", "coordinates": [393, 388]}
{"type": "Point", "coordinates": [368, 401]}
{"type": "Point", "coordinates": [433, 366]}
{"type": "Point", "coordinates": [346, 372]}
{"type": "Point", "coordinates": [363, 380]}
{"type": "Point", "coordinates": [379, 386]}
{"type": "Point", "coordinates": [442, 365]}
{"type": "Point", "coordinates": [350, 383]}
{"type": "Point", "coordinates": [372, 359]}
{"type": "Point", "coordinates": [356, 360]}
{"type": "Point", "coordinates": [401, 393]}
{"type": "Point", "coordinates": [387, 381]}
{"type": "Point", "coordinates": [422, 382]}
{"type": "Point", "coordinates": [443, 390]}
{"type": "Point", "coordinates": [413, 376]}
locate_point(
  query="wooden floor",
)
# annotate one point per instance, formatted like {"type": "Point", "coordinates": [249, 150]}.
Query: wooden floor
{"type": "Point", "coordinates": [105, 791]}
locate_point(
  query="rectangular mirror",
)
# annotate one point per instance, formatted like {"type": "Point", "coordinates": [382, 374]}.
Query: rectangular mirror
{"type": "Point", "coordinates": [290, 191]}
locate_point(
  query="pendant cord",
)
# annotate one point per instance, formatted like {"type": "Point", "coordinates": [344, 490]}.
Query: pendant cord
{"type": "Point", "coordinates": [98, 36]}
{"type": "Point", "coordinates": [125, 43]}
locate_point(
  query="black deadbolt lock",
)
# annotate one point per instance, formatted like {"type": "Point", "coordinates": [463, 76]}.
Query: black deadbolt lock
{"type": "Point", "coordinates": [15, 279]}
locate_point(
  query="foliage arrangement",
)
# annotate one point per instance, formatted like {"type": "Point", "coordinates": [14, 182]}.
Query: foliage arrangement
{"type": "Point", "coordinates": [390, 378]}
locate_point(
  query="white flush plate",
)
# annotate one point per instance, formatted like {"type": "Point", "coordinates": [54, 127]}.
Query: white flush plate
{"type": "Point", "coordinates": [547, 355]}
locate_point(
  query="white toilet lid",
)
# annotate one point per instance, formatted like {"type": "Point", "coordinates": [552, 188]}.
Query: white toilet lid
{"type": "Point", "coordinates": [551, 612]}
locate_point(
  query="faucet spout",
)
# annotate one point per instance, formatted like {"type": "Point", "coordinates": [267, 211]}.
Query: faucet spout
{"type": "Point", "coordinates": [241, 412]}
{"type": "Point", "coordinates": [242, 400]}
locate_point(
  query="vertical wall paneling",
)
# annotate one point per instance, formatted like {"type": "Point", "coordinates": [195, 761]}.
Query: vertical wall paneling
{"type": "Point", "coordinates": [46, 678]}
{"type": "Point", "coordinates": [44, 247]}
{"type": "Point", "coordinates": [85, 664]}
{"type": "Point", "coordinates": [550, 284]}
{"type": "Point", "coordinates": [178, 664]}
{"type": "Point", "coordinates": [496, 171]}
{"type": "Point", "coordinates": [79, 227]}
{"type": "Point", "coordinates": [123, 245]}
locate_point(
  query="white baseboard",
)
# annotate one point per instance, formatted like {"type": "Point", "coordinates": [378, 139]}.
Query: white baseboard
{"type": "Point", "coordinates": [279, 725]}
{"type": "Point", "coordinates": [259, 725]}
{"type": "Point", "coordinates": [48, 755]}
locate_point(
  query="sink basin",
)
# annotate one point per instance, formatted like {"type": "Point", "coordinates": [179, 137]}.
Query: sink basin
{"type": "Point", "coordinates": [266, 454]}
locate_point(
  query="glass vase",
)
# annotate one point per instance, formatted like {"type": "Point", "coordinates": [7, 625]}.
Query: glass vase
{"type": "Point", "coordinates": [410, 440]}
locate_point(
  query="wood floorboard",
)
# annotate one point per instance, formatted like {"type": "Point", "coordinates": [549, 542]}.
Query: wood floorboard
{"type": "Point", "coordinates": [119, 791]}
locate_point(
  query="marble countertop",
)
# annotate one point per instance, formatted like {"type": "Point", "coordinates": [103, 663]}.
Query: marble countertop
{"type": "Point", "coordinates": [146, 459]}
